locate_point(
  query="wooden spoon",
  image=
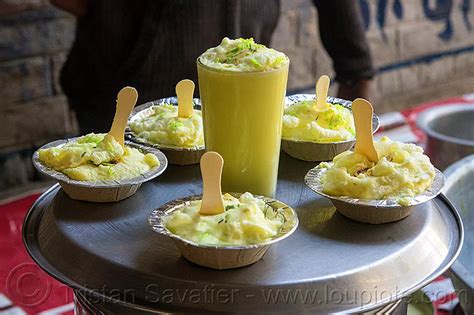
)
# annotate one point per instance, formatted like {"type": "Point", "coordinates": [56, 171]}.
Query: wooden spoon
{"type": "Point", "coordinates": [322, 87]}
{"type": "Point", "coordinates": [211, 171]}
{"type": "Point", "coordinates": [126, 100]}
{"type": "Point", "coordinates": [184, 92]}
{"type": "Point", "coordinates": [363, 111]}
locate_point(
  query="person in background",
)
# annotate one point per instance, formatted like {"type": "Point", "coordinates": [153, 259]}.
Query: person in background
{"type": "Point", "coordinates": [152, 44]}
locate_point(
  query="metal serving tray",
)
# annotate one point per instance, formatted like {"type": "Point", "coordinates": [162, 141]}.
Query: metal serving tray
{"type": "Point", "coordinates": [459, 188]}
{"type": "Point", "coordinates": [330, 264]}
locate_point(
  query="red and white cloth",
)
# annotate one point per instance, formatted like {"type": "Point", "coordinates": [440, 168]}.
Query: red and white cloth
{"type": "Point", "coordinates": [24, 287]}
{"type": "Point", "coordinates": [401, 126]}
{"type": "Point", "coordinates": [442, 294]}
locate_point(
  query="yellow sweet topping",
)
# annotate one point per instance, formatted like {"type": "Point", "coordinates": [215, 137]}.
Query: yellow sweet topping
{"type": "Point", "coordinates": [247, 220]}
{"type": "Point", "coordinates": [97, 157]}
{"type": "Point", "coordinates": [166, 128]}
{"type": "Point", "coordinates": [242, 55]}
{"type": "Point", "coordinates": [303, 122]}
{"type": "Point", "coordinates": [402, 171]}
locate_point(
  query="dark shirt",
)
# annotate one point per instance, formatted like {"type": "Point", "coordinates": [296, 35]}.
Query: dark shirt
{"type": "Point", "coordinates": [153, 44]}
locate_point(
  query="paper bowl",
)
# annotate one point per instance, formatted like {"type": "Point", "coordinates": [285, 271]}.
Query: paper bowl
{"type": "Point", "coordinates": [175, 155]}
{"type": "Point", "coordinates": [101, 191]}
{"type": "Point", "coordinates": [315, 151]}
{"type": "Point", "coordinates": [220, 257]}
{"type": "Point", "coordinates": [371, 210]}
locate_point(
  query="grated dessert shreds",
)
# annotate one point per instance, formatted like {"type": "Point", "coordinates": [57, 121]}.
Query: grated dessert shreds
{"type": "Point", "coordinates": [97, 157]}
{"type": "Point", "coordinates": [403, 171]}
{"type": "Point", "coordinates": [243, 55]}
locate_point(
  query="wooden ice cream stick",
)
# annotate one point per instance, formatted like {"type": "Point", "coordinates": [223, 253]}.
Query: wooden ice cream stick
{"type": "Point", "coordinates": [126, 100]}
{"type": "Point", "coordinates": [322, 87]}
{"type": "Point", "coordinates": [211, 171]}
{"type": "Point", "coordinates": [184, 92]}
{"type": "Point", "coordinates": [363, 111]}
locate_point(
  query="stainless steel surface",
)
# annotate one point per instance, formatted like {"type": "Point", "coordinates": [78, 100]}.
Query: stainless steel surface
{"type": "Point", "coordinates": [222, 257]}
{"type": "Point", "coordinates": [329, 264]}
{"type": "Point", "coordinates": [449, 131]}
{"type": "Point", "coordinates": [459, 189]}
{"type": "Point", "coordinates": [85, 304]}
{"type": "Point", "coordinates": [176, 155]}
{"type": "Point", "coordinates": [314, 151]}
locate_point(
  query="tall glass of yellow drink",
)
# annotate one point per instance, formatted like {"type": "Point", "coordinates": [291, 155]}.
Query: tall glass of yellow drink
{"type": "Point", "coordinates": [242, 87]}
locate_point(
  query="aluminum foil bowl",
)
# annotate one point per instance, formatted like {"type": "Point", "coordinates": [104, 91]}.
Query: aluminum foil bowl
{"type": "Point", "coordinates": [221, 257]}
{"type": "Point", "coordinates": [314, 151]}
{"type": "Point", "coordinates": [371, 210]}
{"type": "Point", "coordinates": [449, 131]}
{"type": "Point", "coordinates": [101, 191]}
{"type": "Point", "coordinates": [175, 155]}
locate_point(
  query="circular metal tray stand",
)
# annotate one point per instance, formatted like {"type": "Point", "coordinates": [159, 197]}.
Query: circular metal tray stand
{"type": "Point", "coordinates": [107, 252]}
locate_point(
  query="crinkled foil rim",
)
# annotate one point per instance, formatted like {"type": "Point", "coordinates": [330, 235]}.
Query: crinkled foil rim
{"type": "Point", "coordinates": [296, 98]}
{"type": "Point", "coordinates": [146, 110]}
{"type": "Point", "coordinates": [313, 181]}
{"type": "Point", "coordinates": [102, 184]}
{"type": "Point", "coordinates": [155, 220]}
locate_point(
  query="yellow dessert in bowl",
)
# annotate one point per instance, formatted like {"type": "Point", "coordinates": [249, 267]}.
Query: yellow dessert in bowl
{"type": "Point", "coordinates": [164, 127]}
{"type": "Point", "coordinates": [378, 192]}
{"type": "Point", "coordinates": [316, 135]}
{"type": "Point", "coordinates": [97, 157]}
{"type": "Point", "coordinates": [238, 237]}
{"type": "Point", "coordinates": [95, 167]}
{"type": "Point", "coordinates": [157, 124]}
{"type": "Point", "coordinates": [247, 220]}
{"type": "Point", "coordinates": [302, 121]}
{"type": "Point", "coordinates": [402, 171]}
